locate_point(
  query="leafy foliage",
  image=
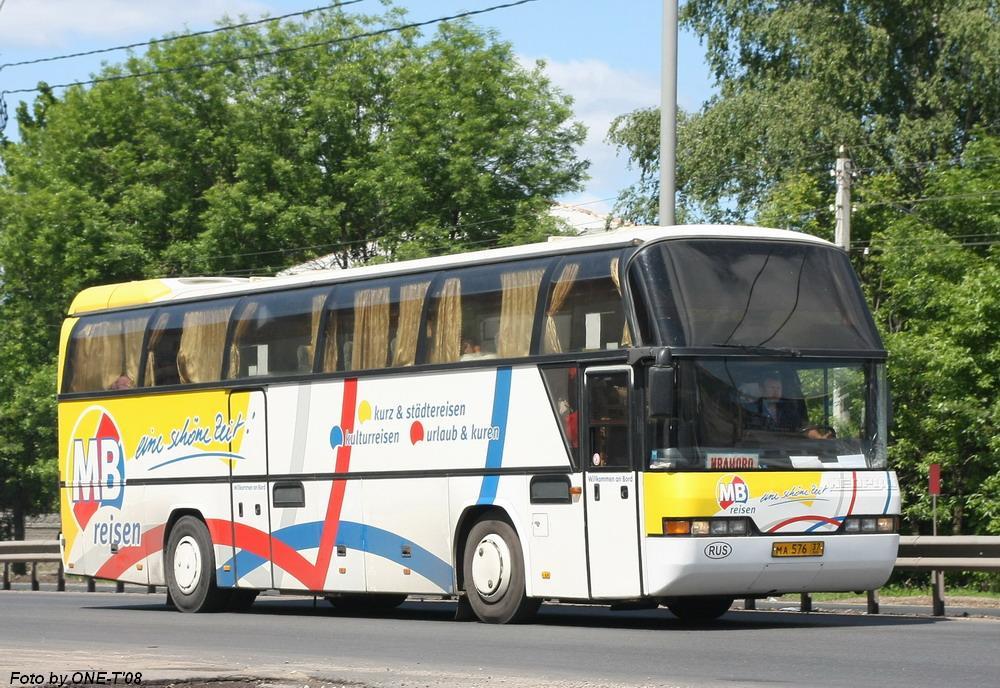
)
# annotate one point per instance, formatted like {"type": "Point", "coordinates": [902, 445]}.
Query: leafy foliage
{"type": "Point", "coordinates": [376, 148]}
{"type": "Point", "coordinates": [913, 90]}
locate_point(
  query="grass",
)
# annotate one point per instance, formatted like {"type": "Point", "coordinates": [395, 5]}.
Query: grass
{"type": "Point", "coordinates": [902, 591]}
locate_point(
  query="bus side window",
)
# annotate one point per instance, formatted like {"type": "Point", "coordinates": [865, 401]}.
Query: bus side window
{"type": "Point", "coordinates": [276, 334]}
{"type": "Point", "coordinates": [374, 324]}
{"type": "Point", "coordinates": [104, 352]}
{"type": "Point", "coordinates": [187, 343]}
{"type": "Point", "coordinates": [584, 311]}
{"type": "Point", "coordinates": [484, 312]}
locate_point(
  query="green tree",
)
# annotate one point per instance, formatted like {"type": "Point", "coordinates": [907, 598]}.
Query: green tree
{"type": "Point", "coordinates": [898, 83]}
{"type": "Point", "coordinates": [374, 148]}
{"type": "Point", "coordinates": [913, 90]}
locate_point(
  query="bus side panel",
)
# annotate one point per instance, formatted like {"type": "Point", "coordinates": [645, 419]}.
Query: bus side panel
{"type": "Point", "coordinates": [407, 538]}
{"type": "Point", "coordinates": [127, 462]}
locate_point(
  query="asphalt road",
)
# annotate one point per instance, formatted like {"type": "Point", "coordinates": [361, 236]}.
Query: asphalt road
{"type": "Point", "coordinates": [420, 644]}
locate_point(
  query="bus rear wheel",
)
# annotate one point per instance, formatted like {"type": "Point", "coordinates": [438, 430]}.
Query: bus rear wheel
{"type": "Point", "coordinates": [493, 573]}
{"type": "Point", "coordinates": [190, 564]}
{"type": "Point", "coordinates": [700, 609]}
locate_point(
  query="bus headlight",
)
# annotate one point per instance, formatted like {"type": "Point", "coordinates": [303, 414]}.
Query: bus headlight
{"type": "Point", "coordinates": [703, 527]}
{"type": "Point", "coordinates": [870, 524]}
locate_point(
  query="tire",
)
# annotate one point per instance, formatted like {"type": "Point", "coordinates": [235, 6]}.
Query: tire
{"type": "Point", "coordinates": [190, 568]}
{"type": "Point", "coordinates": [700, 609]}
{"type": "Point", "coordinates": [362, 602]}
{"type": "Point", "coordinates": [493, 574]}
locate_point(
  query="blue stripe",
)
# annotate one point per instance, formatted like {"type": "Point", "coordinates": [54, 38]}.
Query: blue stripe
{"type": "Point", "coordinates": [356, 536]}
{"type": "Point", "coordinates": [820, 524]}
{"type": "Point", "coordinates": [888, 493]}
{"type": "Point", "coordinates": [494, 452]}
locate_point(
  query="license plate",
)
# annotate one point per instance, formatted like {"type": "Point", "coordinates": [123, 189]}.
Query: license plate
{"type": "Point", "coordinates": [797, 549]}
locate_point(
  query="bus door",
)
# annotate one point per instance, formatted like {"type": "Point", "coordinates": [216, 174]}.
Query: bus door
{"type": "Point", "coordinates": [250, 488]}
{"type": "Point", "coordinates": [610, 484]}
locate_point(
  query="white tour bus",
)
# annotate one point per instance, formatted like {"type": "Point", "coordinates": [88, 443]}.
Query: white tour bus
{"type": "Point", "coordinates": [676, 416]}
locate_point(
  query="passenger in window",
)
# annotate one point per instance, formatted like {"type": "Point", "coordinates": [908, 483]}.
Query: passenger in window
{"type": "Point", "coordinates": [123, 382]}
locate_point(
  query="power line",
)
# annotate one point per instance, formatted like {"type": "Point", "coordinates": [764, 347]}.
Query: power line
{"type": "Point", "coordinates": [170, 39]}
{"type": "Point", "coordinates": [932, 199]}
{"type": "Point", "coordinates": [276, 51]}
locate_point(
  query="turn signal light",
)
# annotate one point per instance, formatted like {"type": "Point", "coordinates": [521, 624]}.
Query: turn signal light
{"type": "Point", "coordinates": [676, 527]}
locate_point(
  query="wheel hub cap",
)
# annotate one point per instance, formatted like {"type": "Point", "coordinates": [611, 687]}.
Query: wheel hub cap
{"type": "Point", "coordinates": [491, 567]}
{"type": "Point", "coordinates": [187, 565]}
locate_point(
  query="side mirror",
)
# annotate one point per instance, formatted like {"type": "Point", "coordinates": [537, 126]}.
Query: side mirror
{"type": "Point", "coordinates": [660, 389]}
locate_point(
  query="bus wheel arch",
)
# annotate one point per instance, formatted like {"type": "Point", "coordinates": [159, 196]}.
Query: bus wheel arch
{"type": "Point", "coordinates": [493, 570]}
{"type": "Point", "coordinates": [466, 521]}
{"type": "Point", "coordinates": [189, 565]}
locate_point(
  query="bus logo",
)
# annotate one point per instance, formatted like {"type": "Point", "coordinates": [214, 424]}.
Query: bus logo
{"type": "Point", "coordinates": [731, 489]}
{"type": "Point", "coordinates": [96, 467]}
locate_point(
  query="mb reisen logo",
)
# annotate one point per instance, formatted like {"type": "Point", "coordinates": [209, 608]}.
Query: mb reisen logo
{"type": "Point", "coordinates": [733, 494]}
{"type": "Point", "coordinates": [96, 464]}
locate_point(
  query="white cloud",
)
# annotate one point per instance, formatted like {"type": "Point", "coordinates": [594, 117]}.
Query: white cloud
{"type": "Point", "coordinates": [57, 23]}
{"type": "Point", "coordinates": [601, 93]}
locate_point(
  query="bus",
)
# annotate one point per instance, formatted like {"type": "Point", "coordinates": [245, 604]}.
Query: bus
{"type": "Point", "coordinates": [673, 416]}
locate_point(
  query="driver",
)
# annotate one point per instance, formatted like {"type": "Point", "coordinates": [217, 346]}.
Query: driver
{"type": "Point", "coordinates": [774, 411]}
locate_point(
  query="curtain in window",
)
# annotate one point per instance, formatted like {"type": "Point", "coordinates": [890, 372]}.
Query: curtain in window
{"type": "Point", "coordinates": [203, 338]}
{"type": "Point", "coordinates": [132, 333]}
{"type": "Point", "coordinates": [106, 355]}
{"type": "Point", "coordinates": [446, 335]}
{"type": "Point", "coordinates": [411, 305]}
{"type": "Point", "coordinates": [330, 354]}
{"type": "Point", "coordinates": [155, 335]}
{"type": "Point", "coordinates": [560, 292]}
{"type": "Point", "coordinates": [626, 335]}
{"type": "Point", "coordinates": [371, 328]}
{"type": "Point", "coordinates": [317, 313]}
{"type": "Point", "coordinates": [97, 344]}
{"type": "Point", "coordinates": [517, 311]}
{"type": "Point", "coordinates": [239, 334]}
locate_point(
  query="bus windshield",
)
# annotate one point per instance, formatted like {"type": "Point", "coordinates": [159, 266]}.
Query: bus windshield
{"type": "Point", "coordinates": [752, 293]}
{"type": "Point", "coordinates": [744, 414]}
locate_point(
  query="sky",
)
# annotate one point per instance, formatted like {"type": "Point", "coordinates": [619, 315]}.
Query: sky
{"type": "Point", "coordinates": [604, 53]}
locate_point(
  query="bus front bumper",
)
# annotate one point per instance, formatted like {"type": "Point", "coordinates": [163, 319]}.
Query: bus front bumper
{"type": "Point", "coordinates": [739, 566]}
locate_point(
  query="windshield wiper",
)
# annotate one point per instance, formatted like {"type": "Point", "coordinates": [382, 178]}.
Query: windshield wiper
{"type": "Point", "coordinates": [756, 349]}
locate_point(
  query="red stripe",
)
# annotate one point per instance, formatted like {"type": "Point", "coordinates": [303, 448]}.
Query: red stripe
{"type": "Point", "coordinates": [244, 537]}
{"type": "Point", "coordinates": [332, 522]}
{"type": "Point", "coordinates": [824, 519]}
{"type": "Point", "coordinates": [854, 491]}
{"type": "Point", "coordinates": [152, 542]}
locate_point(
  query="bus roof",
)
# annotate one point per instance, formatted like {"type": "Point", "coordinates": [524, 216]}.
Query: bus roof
{"type": "Point", "coordinates": [143, 292]}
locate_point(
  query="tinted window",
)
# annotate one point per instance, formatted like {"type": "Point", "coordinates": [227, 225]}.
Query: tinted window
{"type": "Point", "coordinates": [756, 293]}
{"type": "Point", "coordinates": [374, 324]}
{"type": "Point", "coordinates": [104, 352]}
{"type": "Point", "coordinates": [584, 309]}
{"type": "Point", "coordinates": [186, 343]}
{"type": "Point", "coordinates": [484, 312]}
{"type": "Point", "coordinates": [276, 334]}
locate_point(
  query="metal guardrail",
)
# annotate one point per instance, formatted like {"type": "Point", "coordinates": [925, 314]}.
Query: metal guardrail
{"type": "Point", "coordinates": [937, 554]}
{"type": "Point", "coordinates": [30, 552]}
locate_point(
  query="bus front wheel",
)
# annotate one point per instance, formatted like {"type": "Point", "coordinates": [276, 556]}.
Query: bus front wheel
{"type": "Point", "coordinates": [493, 572]}
{"type": "Point", "coordinates": [700, 609]}
{"type": "Point", "coordinates": [190, 564]}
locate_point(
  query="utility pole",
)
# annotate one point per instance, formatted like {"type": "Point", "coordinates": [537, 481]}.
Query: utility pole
{"type": "Point", "coordinates": [842, 210]}
{"type": "Point", "coordinates": [842, 237]}
{"type": "Point", "coordinates": [668, 115]}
